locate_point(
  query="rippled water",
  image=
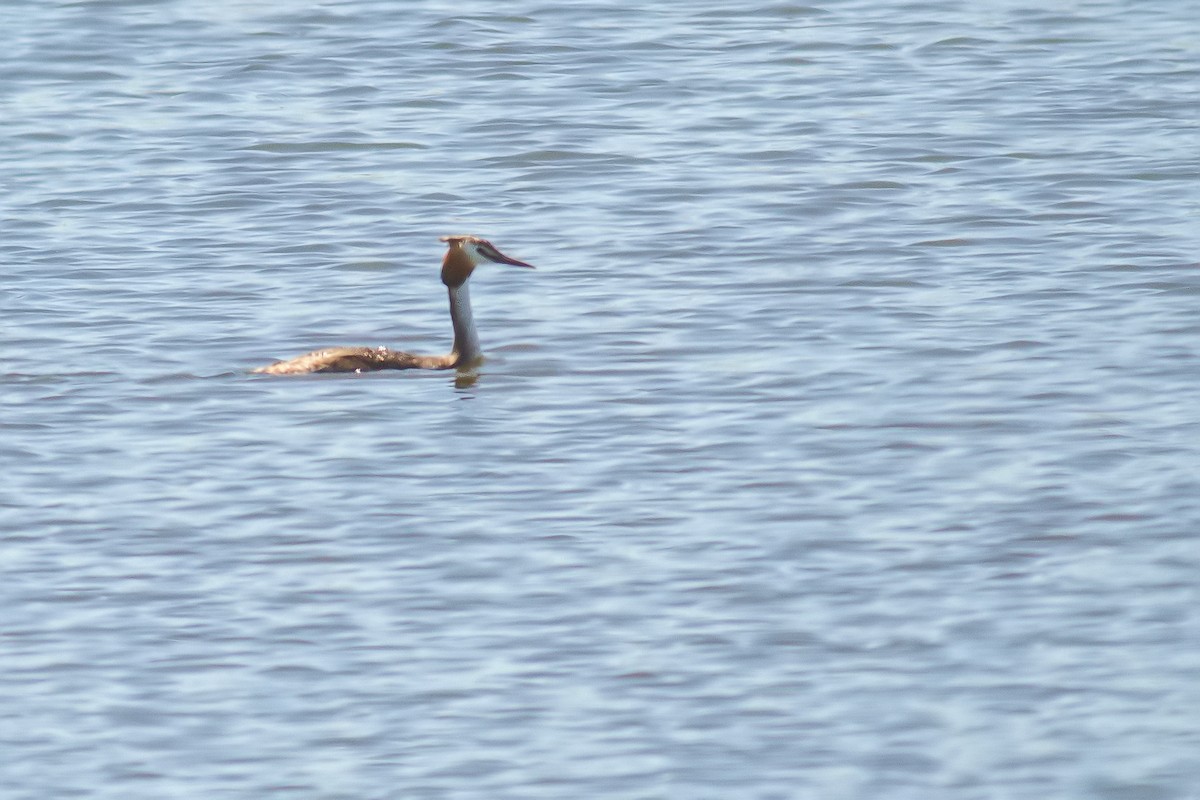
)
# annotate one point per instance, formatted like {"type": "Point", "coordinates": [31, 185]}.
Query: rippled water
{"type": "Point", "coordinates": [844, 444]}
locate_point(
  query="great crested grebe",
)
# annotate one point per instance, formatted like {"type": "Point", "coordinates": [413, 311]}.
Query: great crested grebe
{"type": "Point", "coordinates": [464, 254]}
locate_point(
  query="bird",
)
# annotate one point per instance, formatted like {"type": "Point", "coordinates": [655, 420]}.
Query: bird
{"type": "Point", "coordinates": [463, 254]}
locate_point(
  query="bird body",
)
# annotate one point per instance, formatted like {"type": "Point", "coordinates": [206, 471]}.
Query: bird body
{"type": "Point", "coordinates": [463, 254]}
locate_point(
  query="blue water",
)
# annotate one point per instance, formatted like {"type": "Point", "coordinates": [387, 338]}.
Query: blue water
{"type": "Point", "coordinates": [843, 444]}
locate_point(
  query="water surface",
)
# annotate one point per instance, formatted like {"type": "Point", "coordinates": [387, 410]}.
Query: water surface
{"type": "Point", "coordinates": [843, 445]}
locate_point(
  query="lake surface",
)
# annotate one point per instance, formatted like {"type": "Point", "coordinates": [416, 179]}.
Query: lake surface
{"type": "Point", "coordinates": [845, 443]}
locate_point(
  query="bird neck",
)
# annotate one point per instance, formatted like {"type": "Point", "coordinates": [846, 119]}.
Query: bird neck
{"type": "Point", "coordinates": [466, 340]}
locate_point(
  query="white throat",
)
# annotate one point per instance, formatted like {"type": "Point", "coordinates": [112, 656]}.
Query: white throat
{"type": "Point", "coordinates": [466, 340]}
